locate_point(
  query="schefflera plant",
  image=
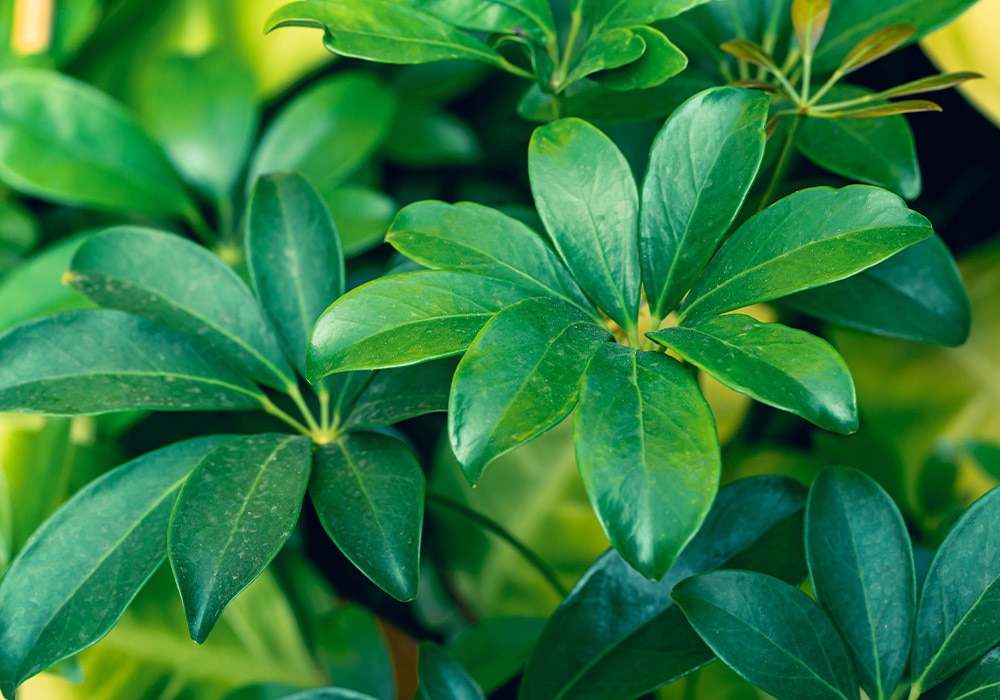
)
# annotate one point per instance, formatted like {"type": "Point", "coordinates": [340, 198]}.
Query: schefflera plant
{"type": "Point", "coordinates": [181, 331]}
{"type": "Point", "coordinates": [537, 325]}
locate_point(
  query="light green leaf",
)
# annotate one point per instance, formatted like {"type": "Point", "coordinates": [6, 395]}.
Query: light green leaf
{"type": "Point", "coordinates": [394, 395]}
{"type": "Point", "coordinates": [777, 365]}
{"type": "Point", "coordinates": [624, 13]}
{"type": "Point", "coordinates": [506, 16]}
{"type": "Point", "coordinates": [982, 681]}
{"type": "Point", "coordinates": [232, 517]}
{"type": "Point", "coordinates": [353, 652]}
{"type": "Point", "coordinates": [808, 239]}
{"type": "Point", "coordinates": [73, 580]}
{"type": "Point", "coordinates": [368, 491]}
{"type": "Point", "coordinates": [586, 196]}
{"type": "Point", "coordinates": [81, 362]}
{"type": "Point", "coordinates": [611, 49]}
{"type": "Point", "coordinates": [34, 288]}
{"type": "Point", "coordinates": [183, 286]}
{"type": "Point", "coordinates": [442, 678]}
{"type": "Point", "coordinates": [651, 465]}
{"type": "Point", "coordinates": [701, 167]}
{"type": "Point", "coordinates": [519, 378]}
{"type": "Point", "coordinates": [660, 61]}
{"type": "Point", "coordinates": [362, 216]}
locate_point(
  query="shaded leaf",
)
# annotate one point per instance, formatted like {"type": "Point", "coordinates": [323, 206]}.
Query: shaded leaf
{"type": "Point", "coordinates": [362, 216]}
{"type": "Point", "coordinates": [395, 395]}
{"type": "Point", "coordinates": [426, 135]}
{"type": "Point", "coordinates": [982, 681]}
{"type": "Point", "coordinates": [353, 653]}
{"type": "Point", "coordinates": [494, 650]}
{"type": "Point", "coordinates": [442, 678]}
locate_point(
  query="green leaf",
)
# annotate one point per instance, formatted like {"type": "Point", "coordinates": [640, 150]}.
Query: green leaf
{"type": "Point", "coordinates": [63, 140]}
{"type": "Point", "coordinates": [473, 238]}
{"type": "Point", "coordinates": [327, 131]}
{"type": "Point", "coordinates": [916, 294]}
{"type": "Point", "coordinates": [777, 365]}
{"type": "Point", "coordinates": [505, 16]}
{"type": "Point", "coordinates": [394, 395]}
{"type": "Point", "coordinates": [960, 599]}
{"type": "Point", "coordinates": [294, 256]}
{"type": "Point", "coordinates": [384, 31]}
{"type": "Point", "coordinates": [232, 517]}
{"type": "Point", "coordinates": [330, 694]}
{"type": "Point", "coordinates": [183, 286]}
{"type": "Point", "coordinates": [18, 234]}
{"type": "Point", "coordinates": [427, 136]}
{"type": "Point", "coordinates": [808, 239]}
{"type": "Point", "coordinates": [519, 378]}
{"type": "Point", "coordinates": [587, 650]}
{"type": "Point", "coordinates": [651, 465]}
{"type": "Point", "coordinates": [353, 653]}
{"type": "Point", "coordinates": [494, 650]}
{"type": "Point", "coordinates": [586, 196]}
{"type": "Point", "coordinates": [76, 576]}
{"type": "Point", "coordinates": [611, 49]}
{"type": "Point", "coordinates": [931, 83]}
{"type": "Point", "coordinates": [750, 52]}
{"type": "Point", "coordinates": [368, 491]}
{"type": "Point", "coordinates": [769, 632]}
{"type": "Point", "coordinates": [81, 362]}
{"type": "Point", "coordinates": [878, 151]}
{"type": "Point", "coordinates": [861, 568]}
{"type": "Point", "coordinates": [879, 43]}
{"type": "Point", "coordinates": [362, 216]}
{"type": "Point", "coordinates": [660, 61]}
{"type": "Point", "coordinates": [203, 109]}
{"type": "Point", "coordinates": [442, 678]}
{"type": "Point", "coordinates": [604, 14]}
{"type": "Point", "coordinates": [379, 324]}
{"type": "Point", "coordinates": [982, 681]}
{"type": "Point", "coordinates": [701, 167]}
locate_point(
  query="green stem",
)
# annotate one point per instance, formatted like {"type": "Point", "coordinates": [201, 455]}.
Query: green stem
{"type": "Point", "coordinates": [515, 70]}
{"type": "Point", "coordinates": [273, 410]}
{"type": "Point", "coordinates": [542, 566]}
{"type": "Point", "coordinates": [837, 75]}
{"type": "Point", "coordinates": [914, 692]}
{"type": "Point", "coordinates": [576, 22]}
{"type": "Point", "coordinates": [300, 403]}
{"type": "Point", "coordinates": [324, 406]}
{"type": "Point", "coordinates": [781, 164]}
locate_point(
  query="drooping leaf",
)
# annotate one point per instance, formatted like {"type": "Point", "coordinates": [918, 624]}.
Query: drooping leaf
{"type": "Point", "coordinates": [701, 167]}
{"type": "Point", "coordinates": [586, 196]}
{"type": "Point", "coordinates": [809, 19]}
{"type": "Point", "coordinates": [808, 239]}
{"type": "Point", "coordinates": [519, 378]}
{"type": "Point", "coordinates": [81, 362]}
{"type": "Point", "coordinates": [183, 286]}
{"type": "Point", "coordinates": [407, 318]}
{"type": "Point", "coordinates": [353, 652]}
{"type": "Point", "coordinates": [394, 395]}
{"type": "Point", "coordinates": [587, 650]}
{"type": "Point", "coordinates": [295, 259]}
{"type": "Point", "coordinates": [651, 465]}
{"type": "Point", "coordinates": [783, 367]}
{"type": "Point", "coordinates": [611, 49]}
{"type": "Point", "coordinates": [861, 568]}
{"type": "Point", "coordinates": [494, 650]}
{"type": "Point", "coordinates": [73, 580]}
{"type": "Point", "coordinates": [660, 61]}
{"type": "Point", "coordinates": [879, 43]}
{"type": "Point", "coordinates": [63, 140]}
{"type": "Point", "coordinates": [362, 216]}
{"type": "Point", "coordinates": [368, 491]}
{"type": "Point", "coordinates": [605, 14]}
{"type": "Point", "coordinates": [982, 681]}
{"type": "Point", "coordinates": [232, 517]}
{"type": "Point", "coordinates": [442, 678]}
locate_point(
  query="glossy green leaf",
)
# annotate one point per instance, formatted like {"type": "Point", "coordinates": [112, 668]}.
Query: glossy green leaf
{"type": "Point", "coordinates": [327, 131]}
{"type": "Point", "coordinates": [394, 395]}
{"type": "Point", "coordinates": [34, 288]}
{"type": "Point", "coordinates": [507, 16]}
{"type": "Point", "coordinates": [878, 151]}
{"type": "Point", "coordinates": [861, 568]}
{"type": "Point", "coordinates": [660, 61]}
{"type": "Point", "coordinates": [294, 255]}
{"type": "Point", "coordinates": [81, 362]}
{"type": "Point", "coordinates": [353, 652]}
{"type": "Point", "coordinates": [586, 196]}
{"type": "Point", "coordinates": [611, 49]}
{"type": "Point", "coordinates": [184, 286]}
{"type": "Point", "coordinates": [426, 135]}
{"type": "Point", "coordinates": [368, 491]}
{"type": "Point", "coordinates": [329, 694]}
{"type": "Point", "coordinates": [808, 239]}
{"type": "Point", "coordinates": [809, 19]}
{"type": "Point", "coordinates": [701, 167]}
{"type": "Point", "coordinates": [232, 517]}
{"type": "Point", "coordinates": [783, 367]}
{"type": "Point", "coordinates": [442, 678]}
{"type": "Point", "coordinates": [203, 110]}
{"type": "Point", "coordinates": [604, 14]}
{"type": "Point", "coordinates": [362, 216]}
{"type": "Point", "coordinates": [494, 650]}
{"type": "Point", "coordinates": [379, 324]}
{"type": "Point", "coordinates": [384, 31]}
{"type": "Point", "coordinates": [769, 632]}
{"type": "Point", "coordinates": [982, 681]}
{"type": "Point", "coordinates": [76, 576]}
{"type": "Point", "coordinates": [916, 294]}
{"type": "Point", "coordinates": [474, 238]}
{"type": "Point", "coordinates": [63, 140]}
{"type": "Point", "coordinates": [960, 599]}
{"type": "Point", "coordinates": [651, 465]}
{"type": "Point", "coordinates": [588, 648]}
{"type": "Point", "coordinates": [519, 378]}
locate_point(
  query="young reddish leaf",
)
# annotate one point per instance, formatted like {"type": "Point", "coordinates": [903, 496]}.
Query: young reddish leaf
{"type": "Point", "coordinates": [809, 20]}
{"type": "Point", "coordinates": [904, 107]}
{"type": "Point", "coordinates": [876, 45]}
{"type": "Point", "coordinates": [751, 53]}
{"type": "Point", "coordinates": [931, 83]}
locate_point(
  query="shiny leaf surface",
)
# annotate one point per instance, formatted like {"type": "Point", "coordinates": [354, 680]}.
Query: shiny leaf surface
{"type": "Point", "coordinates": [442, 678]}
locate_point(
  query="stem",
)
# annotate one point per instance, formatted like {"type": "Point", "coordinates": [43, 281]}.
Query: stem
{"type": "Point", "coordinates": [914, 692]}
{"type": "Point", "coordinates": [542, 566]}
{"type": "Point", "coordinates": [781, 164]}
{"type": "Point", "coordinates": [324, 406]}
{"type": "Point", "coordinates": [225, 209]}
{"type": "Point", "coordinates": [837, 75]}
{"type": "Point", "coordinates": [511, 68]}
{"type": "Point", "coordinates": [300, 403]}
{"type": "Point", "coordinates": [576, 22]}
{"type": "Point", "coordinates": [270, 408]}
{"type": "Point", "coordinates": [807, 60]}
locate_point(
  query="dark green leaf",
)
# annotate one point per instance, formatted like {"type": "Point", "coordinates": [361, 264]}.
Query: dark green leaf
{"type": "Point", "coordinates": [329, 694]}
{"type": "Point", "coordinates": [586, 196]}
{"type": "Point", "coordinates": [353, 653]}
{"type": "Point", "coordinates": [588, 648]}
{"type": "Point", "coordinates": [76, 576]}
{"type": "Point", "coordinates": [519, 378]}
{"type": "Point", "coordinates": [407, 318]}
{"type": "Point", "coordinates": [982, 681]}
{"type": "Point", "coordinates": [777, 365]}
{"type": "Point", "coordinates": [604, 14]}
{"type": "Point", "coordinates": [809, 19]}
{"type": "Point", "coordinates": [879, 43]}
{"type": "Point", "coordinates": [701, 167]}
{"type": "Point", "coordinates": [651, 465]}
{"type": "Point", "coordinates": [82, 362]}
{"type": "Point", "coordinates": [916, 294]}
{"type": "Point", "coordinates": [232, 517]}
{"type": "Point", "coordinates": [806, 240]}
{"type": "Point", "coordinates": [183, 286]}
{"type": "Point", "coordinates": [395, 395]}
{"type": "Point", "coordinates": [861, 568]}
{"type": "Point", "coordinates": [294, 255]}
{"type": "Point", "coordinates": [426, 135]}
{"type": "Point", "coordinates": [660, 61]}
{"type": "Point", "coordinates": [368, 491]}
{"type": "Point", "coordinates": [611, 49]}
{"type": "Point", "coordinates": [362, 216]}
{"type": "Point", "coordinates": [442, 678]}
{"type": "Point", "coordinates": [769, 632]}
{"type": "Point", "coordinates": [495, 649]}
{"type": "Point", "coordinates": [960, 602]}
{"type": "Point", "coordinates": [61, 139]}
